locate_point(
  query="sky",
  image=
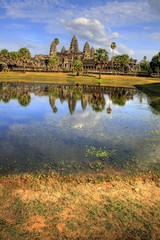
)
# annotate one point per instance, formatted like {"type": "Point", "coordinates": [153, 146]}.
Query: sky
{"type": "Point", "coordinates": [133, 24]}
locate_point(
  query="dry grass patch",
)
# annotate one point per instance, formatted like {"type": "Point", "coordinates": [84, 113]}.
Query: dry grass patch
{"type": "Point", "coordinates": [109, 80]}
{"type": "Point", "coordinates": [79, 207]}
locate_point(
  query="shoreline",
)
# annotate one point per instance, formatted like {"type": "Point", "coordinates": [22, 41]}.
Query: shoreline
{"type": "Point", "coordinates": [61, 78]}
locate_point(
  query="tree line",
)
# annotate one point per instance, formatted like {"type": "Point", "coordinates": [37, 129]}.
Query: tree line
{"type": "Point", "coordinates": [101, 58]}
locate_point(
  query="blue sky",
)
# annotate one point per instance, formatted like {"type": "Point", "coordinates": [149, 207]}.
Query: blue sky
{"type": "Point", "coordinates": [134, 25]}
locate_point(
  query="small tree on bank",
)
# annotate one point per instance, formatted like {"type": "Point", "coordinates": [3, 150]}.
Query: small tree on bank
{"type": "Point", "coordinates": [24, 56]}
{"type": "Point", "coordinates": [145, 66]}
{"type": "Point", "coordinates": [53, 62]}
{"type": "Point", "coordinates": [101, 58]}
{"type": "Point", "coordinates": [155, 63]}
{"type": "Point", "coordinates": [121, 61]}
{"type": "Point", "coordinates": [78, 66]}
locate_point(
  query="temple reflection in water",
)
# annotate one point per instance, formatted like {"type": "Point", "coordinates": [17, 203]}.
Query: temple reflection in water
{"type": "Point", "coordinates": [94, 96]}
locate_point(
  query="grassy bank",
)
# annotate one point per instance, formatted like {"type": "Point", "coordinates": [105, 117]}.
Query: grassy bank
{"type": "Point", "coordinates": [80, 207]}
{"type": "Point", "coordinates": [109, 80]}
{"type": "Point", "coordinates": [153, 92]}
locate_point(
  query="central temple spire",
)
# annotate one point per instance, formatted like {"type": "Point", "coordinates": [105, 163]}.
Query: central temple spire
{"type": "Point", "coordinates": [74, 45]}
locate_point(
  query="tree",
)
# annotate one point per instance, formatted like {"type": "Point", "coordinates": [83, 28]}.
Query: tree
{"type": "Point", "coordinates": [78, 66]}
{"type": "Point", "coordinates": [113, 46]}
{"type": "Point", "coordinates": [24, 99]}
{"type": "Point", "coordinates": [101, 58]}
{"type": "Point", "coordinates": [13, 58]}
{"type": "Point", "coordinates": [121, 61]}
{"type": "Point", "coordinates": [53, 62]}
{"type": "Point", "coordinates": [155, 63]}
{"type": "Point", "coordinates": [24, 56]}
{"type": "Point", "coordinates": [145, 65]}
{"type": "Point", "coordinates": [98, 102]}
{"type": "Point", "coordinates": [4, 56]}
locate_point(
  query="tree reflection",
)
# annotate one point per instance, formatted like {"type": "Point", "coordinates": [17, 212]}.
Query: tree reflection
{"type": "Point", "coordinates": [90, 95]}
{"type": "Point", "coordinates": [120, 96]}
{"type": "Point", "coordinates": [109, 110]}
{"type": "Point", "coordinates": [24, 99]}
{"type": "Point", "coordinates": [98, 102]}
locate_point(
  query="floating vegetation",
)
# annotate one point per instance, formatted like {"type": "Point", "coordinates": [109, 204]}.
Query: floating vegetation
{"type": "Point", "coordinates": [99, 152]}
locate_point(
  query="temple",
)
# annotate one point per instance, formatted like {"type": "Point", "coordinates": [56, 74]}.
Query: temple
{"type": "Point", "coordinates": [65, 60]}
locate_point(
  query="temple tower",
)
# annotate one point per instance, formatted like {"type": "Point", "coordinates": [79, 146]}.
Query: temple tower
{"type": "Point", "coordinates": [53, 47]}
{"type": "Point", "coordinates": [86, 51]}
{"type": "Point", "coordinates": [74, 45]}
{"type": "Point", "coordinates": [63, 50]}
{"type": "Point", "coordinates": [92, 52]}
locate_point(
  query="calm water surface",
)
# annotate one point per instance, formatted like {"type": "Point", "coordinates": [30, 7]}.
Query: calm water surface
{"type": "Point", "coordinates": [63, 128]}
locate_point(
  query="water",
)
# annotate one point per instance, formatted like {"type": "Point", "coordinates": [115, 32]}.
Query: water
{"type": "Point", "coordinates": [73, 128]}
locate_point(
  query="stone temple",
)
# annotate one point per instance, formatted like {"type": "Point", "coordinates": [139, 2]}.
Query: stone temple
{"type": "Point", "coordinates": [66, 59]}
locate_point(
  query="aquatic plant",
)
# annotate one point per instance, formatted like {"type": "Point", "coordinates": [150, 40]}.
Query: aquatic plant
{"type": "Point", "coordinates": [98, 152]}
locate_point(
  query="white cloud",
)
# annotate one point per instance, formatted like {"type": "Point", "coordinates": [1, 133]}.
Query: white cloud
{"type": "Point", "coordinates": [123, 13]}
{"type": "Point", "coordinates": [94, 31]}
{"type": "Point", "coordinates": [122, 49]}
{"type": "Point", "coordinates": [89, 29]}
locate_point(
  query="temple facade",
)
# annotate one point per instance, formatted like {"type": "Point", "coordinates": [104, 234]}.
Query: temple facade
{"type": "Point", "coordinates": [66, 57]}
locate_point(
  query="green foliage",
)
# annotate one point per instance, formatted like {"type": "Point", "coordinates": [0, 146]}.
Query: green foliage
{"type": "Point", "coordinates": [24, 56]}
{"type": "Point", "coordinates": [4, 56]}
{"type": "Point", "coordinates": [78, 66]}
{"type": "Point", "coordinates": [24, 99]}
{"type": "Point", "coordinates": [56, 40]}
{"type": "Point", "coordinates": [155, 63]}
{"type": "Point", "coordinates": [113, 45]}
{"type": "Point", "coordinates": [5, 69]}
{"type": "Point", "coordinates": [77, 92]}
{"type": "Point", "coordinates": [120, 61]}
{"type": "Point", "coordinates": [100, 59]}
{"type": "Point", "coordinates": [98, 152]}
{"type": "Point", "coordinates": [101, 56]}
{"type": "Point", "coordinates": [13, 57]}
{"type": "Point", "coordinates": [53, 62]}
{"type": "Point", "coordinates": [145, 65]}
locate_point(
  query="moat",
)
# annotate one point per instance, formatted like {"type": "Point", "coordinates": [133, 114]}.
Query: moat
{"type": "Point", "coordinates": [71, 128]}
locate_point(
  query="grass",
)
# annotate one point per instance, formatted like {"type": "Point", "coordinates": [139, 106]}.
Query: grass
{"type": "Point", "coordinates": [109, 80]}
{"type": "Point", "coordinates": [79, 207]}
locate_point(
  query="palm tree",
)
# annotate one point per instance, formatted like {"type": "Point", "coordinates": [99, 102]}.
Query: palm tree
{"type": "Point", "coordinates": [145, 65]}
{"type": "Point", "coordinates": [4, 57]}
{"type": "Point", "coordinates": [101, 57]}
{"type": "Point", "coordinates": [113, 46]}
{"type": "Point", "coordinates": [121, 61]}
{"type": "Point", "coordinates": [53, 62]}
{"type": "Point", "coordinates": [78, 66]}
{"type": "Point", "coordinates": [24, 56]}
{"type": "Point", "coordinates": [13, 58]}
